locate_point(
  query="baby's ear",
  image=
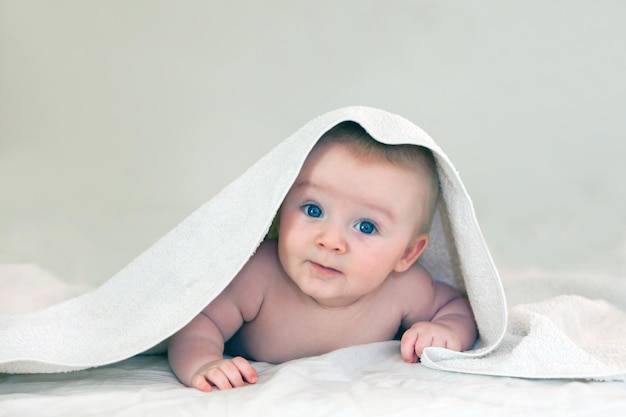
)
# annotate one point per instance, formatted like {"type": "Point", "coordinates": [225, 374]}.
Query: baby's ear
{"type": "Point", "coordinates": [412, 252]}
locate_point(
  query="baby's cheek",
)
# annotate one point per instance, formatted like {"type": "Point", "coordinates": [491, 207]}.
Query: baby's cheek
{"type": "Point", "coordinates": [375, 268]}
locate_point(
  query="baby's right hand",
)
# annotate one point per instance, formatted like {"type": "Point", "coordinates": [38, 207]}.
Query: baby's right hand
{"type": "Point", "coordinates": [224, 374]}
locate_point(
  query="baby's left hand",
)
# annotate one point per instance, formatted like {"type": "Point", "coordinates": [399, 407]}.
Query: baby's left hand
{"type": "Point", "coordinates": [424, 334]}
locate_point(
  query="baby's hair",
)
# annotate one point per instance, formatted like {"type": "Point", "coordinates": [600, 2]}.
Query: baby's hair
{"type": "Point", "coordinates": [355, 138]}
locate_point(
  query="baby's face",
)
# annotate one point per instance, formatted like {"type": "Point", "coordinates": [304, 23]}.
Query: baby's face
{"type": "Point", "coordinates": [346, 224]}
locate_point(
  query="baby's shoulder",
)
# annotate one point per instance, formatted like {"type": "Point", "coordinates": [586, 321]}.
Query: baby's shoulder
{"type": "Point", "coordinates": [415, 276]}
{"type": "Point", "coordinates": [260, 268]}
{"type": "Point", "coordinates": [266, 255]}
{"type": "Point", "coordinates": [414, 284]}
{"type": "Point", "coordinates": [414, 292]}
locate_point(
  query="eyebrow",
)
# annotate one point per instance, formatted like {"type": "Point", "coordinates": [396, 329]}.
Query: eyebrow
{"type": "Point", "coordinates": [383, 210]}
{"type": "Point", "coordinates": [372, 206]}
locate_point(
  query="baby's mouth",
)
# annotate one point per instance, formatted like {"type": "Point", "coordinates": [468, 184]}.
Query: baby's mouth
{"type": "Point", "coordinates": [326, 270]}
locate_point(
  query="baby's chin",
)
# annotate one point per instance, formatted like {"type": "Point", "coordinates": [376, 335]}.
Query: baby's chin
{"type": "Point", "coordinates": [335, 301]}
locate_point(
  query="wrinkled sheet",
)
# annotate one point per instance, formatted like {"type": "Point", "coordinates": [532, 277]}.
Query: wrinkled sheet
{"type": "Point", "coordinates": [368, 380]}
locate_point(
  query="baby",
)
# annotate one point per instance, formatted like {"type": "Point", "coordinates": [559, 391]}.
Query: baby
{"type": "Point", "coordinates": [342, 271]}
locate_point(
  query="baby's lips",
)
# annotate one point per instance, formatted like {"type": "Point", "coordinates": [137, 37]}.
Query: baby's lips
{"type": "Point", "coordinates": [325, 269]}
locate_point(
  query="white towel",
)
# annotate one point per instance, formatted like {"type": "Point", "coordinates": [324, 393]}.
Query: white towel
{"type": "Point", "coordinates": [567, 336]}
{"type": "Point", "coordinates": [166, 286]}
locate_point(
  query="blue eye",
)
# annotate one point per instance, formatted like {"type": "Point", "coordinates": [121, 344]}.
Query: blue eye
{"type": "Point", "coordinates": [312, 210]}
{"type": "Point", "coordinates": [366, 227]}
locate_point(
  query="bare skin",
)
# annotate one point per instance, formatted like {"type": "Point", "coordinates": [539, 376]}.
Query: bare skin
{"type": "Point", "coordinates": [343, 273]}
{"type": "Point", "coordinates": [275, 323]}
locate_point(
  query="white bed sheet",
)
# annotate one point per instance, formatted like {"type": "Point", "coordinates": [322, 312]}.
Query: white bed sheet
{"type": "Point", "coordinates": [369, 380]}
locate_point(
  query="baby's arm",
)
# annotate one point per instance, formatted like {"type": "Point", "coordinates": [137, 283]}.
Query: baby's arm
{"type": "Point", "coordinates": [195, 352]}
{"type": "Point", "coordinates": [452, 324]}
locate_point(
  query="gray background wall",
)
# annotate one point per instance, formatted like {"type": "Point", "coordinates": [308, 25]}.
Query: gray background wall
{"type": "Point", "coordinates": [117, 118]}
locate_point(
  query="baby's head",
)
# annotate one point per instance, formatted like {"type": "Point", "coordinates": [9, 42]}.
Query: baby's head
{"type": "Point", "coordinates": [362, 146]}
{"type": "Point", "coordinates": [358, 212]}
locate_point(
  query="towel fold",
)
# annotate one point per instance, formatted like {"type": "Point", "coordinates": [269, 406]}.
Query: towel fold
{"type": "Point", "coordinates": [567, 336]}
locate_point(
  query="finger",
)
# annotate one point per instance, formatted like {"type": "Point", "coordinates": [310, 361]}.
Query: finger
{"type": "Point", "coordinates": [439, 342]}
{"type": "Point", "coordinates": [232, 373]}
{"type": "Point", "coordinates": [199, 382]}
{"type": "Point", "coordinates": [245, 369]}
{"type": "Point", "coordinates": [422, 343]}
{"type": "Point", "coordinates": [454, 344]}
{"type": "Point", "coordinates": [407, 346]}
{"type": "Point", "coordinates": [217, 377]}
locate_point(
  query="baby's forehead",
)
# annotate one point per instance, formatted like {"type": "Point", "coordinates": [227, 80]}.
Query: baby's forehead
{"type": "Point", "coordinates": [335, 162]}
{"type": "Point", "coordinates": [365, 155]}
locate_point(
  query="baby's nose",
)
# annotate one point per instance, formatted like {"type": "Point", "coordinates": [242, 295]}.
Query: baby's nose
{"type": "Point", "coordinates": [331, 238]}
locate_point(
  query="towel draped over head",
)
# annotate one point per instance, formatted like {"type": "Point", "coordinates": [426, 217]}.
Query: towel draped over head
{"type": "Point", "coordinates": [173, 280]}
